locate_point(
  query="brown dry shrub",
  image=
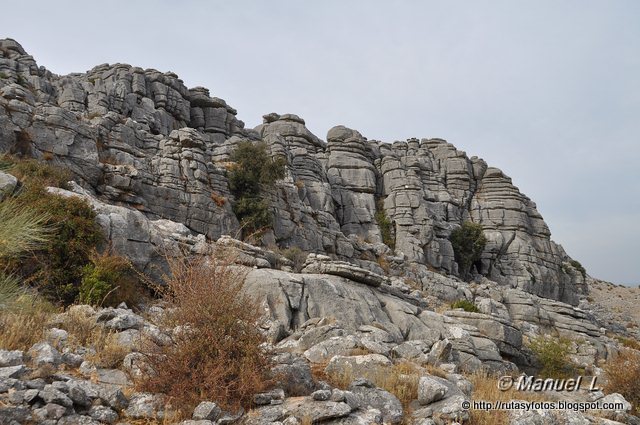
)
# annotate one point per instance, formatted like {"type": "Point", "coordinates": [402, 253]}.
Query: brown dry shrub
{"type": "Point", "coordinates": [217, 353]}
{"type": "Point", "coordinates": [623, 376]}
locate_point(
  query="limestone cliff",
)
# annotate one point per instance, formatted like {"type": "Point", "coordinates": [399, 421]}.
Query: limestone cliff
{"type": "Point", "coordinates": [141, 139]}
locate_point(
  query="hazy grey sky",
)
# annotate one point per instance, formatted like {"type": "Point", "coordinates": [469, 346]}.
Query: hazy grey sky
{"type": "Point", "coordinates": [548, 91]}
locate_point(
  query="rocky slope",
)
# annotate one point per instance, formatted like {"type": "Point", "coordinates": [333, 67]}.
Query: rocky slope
{"type": "Point", "coordinates": [143, 140]}
{"type": "Point", "coordinates": [150, 156]}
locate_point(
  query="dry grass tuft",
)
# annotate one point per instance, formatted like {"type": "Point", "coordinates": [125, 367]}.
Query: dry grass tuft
{"type": "Point", "coordinates": [109, 353]}
{"type": "Point", "coordinates": [623, 376]}
{"type": "Point", "coordinates": [485, 387]}
{"type": "Point", "coordinates": [217, 352]}
{"type": "Point", "coordinates": [19, 330]}
{"type": "Point", "coordinates": [401, 380]}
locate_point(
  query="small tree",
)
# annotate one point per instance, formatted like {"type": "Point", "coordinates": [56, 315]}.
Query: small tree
{"type": "Point", "coordinates": [254, 172]}
{"type": "Point", "coordinates": [468, 242]}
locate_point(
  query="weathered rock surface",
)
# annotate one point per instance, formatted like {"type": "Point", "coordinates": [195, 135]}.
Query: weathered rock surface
{"type": "Point", "coordinates": [141, 140]}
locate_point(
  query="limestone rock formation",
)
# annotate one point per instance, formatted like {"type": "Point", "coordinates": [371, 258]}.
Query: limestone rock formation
{"type": "Point", "coordinates": [140, 139]}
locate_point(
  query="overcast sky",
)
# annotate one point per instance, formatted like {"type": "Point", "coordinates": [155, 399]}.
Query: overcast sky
{"type": "Point", "coordinates": [547, 91]}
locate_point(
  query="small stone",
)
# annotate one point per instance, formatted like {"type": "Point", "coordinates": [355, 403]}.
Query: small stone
{"type": "Point", "coordinates": [43, 354]}
{"type": "Point", "coordinates": [145, 406]}
{"type": "Point", "coordinates": [115, 398]}
{"type": "Point", "coordinates": [51, 395]}
{"type": "Point", "coordinates": [78, 395]}
{"type": "Point", "coordinates": [103, 414]}
{"type": "Point", "coordinates": [11, 358]}
{"type": "Point", "coordinates": [321, 395]}
{"type": "Point", "coordinates": [12, 371]}
{"type": "Point", "coordinates": [57, 336]}
{"type": "Point", "coordinates": [30, 395]}
{"type": "Point", "coordinates": [430, 390]}
{"type": "Point", "coordinates": [37, 383]}
{"type": "Point", "coordinates": [207, 410]}
{"type": "Point", "coordinates": [72, 359]}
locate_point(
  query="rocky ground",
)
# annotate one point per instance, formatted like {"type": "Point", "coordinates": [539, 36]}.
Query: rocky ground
{"type": "Point", "coordinates": [617, 305]}
{"type": "Point", "coordinates": [332, 319]}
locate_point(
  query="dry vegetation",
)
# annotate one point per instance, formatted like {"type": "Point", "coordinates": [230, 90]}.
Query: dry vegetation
{"type": "Point", "coordinates": [401, 379]}
{"type": "Point", "coordinates": [217, 355]}
{"type": "Point", "coordinates": [485, 387]}
{"type": "Point", "coordinates": [21, 328]}
{"type": "Point", "coordinates": [623, 376]}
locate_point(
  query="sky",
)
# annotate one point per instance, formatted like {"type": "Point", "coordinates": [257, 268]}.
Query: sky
{"type": "Point", "coordinates": [547, 91]}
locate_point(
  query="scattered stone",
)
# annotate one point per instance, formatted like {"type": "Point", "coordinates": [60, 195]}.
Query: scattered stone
{"type": "Point", "coordinates": [145, 406]}
{"type": "Point", "coordinates": [207, 410]}
{"type": "Point", "coordinates": [323, 395]}
{"type": "Point", "coordinates": [12, 371]}
{"type": "Point", "coordinates": [11, 358]}
{"type": "Point", "coordinates": [43, 353]}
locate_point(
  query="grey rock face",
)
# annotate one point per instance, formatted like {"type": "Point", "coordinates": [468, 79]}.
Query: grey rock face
{"type": "Point", "coordinates": [142, 140]}
{"type": "Point", "coordinates": [365, 366]}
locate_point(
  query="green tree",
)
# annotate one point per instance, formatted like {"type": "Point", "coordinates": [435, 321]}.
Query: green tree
{"type": "Point", "coordinates": [254, 172]}
{"type": "Point", "coordinates": [468, 242]}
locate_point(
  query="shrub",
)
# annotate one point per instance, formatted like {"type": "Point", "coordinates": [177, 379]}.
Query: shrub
{"type": "Point", "coordinates": [217, 355]}
{"type": "Point", "coordinates": [629, 342]}
{"type": "Point", "coordinates": [576, 265]}
{"type": "Point", "coordinates": [254, 172]}
{"type": "Point", "coordinates": [468, 242]}
{"type": "Point", "coordinates": [56, 267]}
{"type": "Point", "coordinates": [466, 306]}
{"type": "Point", "coordinates": [296, 255]}
{"type": "Point", "coordinates": [553, 356]}
{"type": "Point", "coordinates": [33, 171]}
{"type": "Point", "coordinates": [623, 376]}
{"type": "Point", "coordinates": [385, 225]}
{"type": "Point", "coordinates": [109, 280]}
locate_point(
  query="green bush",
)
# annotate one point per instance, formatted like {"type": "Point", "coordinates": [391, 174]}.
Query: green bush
{"type": "Point", "coordinates": [468, 242]}
{"type": "Point", "coordinates": [109, 280]}
{"type": "Point", "coordinates": [56, 266]}
{"type": "Point", "coordinates": [552, 356]}
{"type": "Point", "coordinates": [386, 226]}
{"type": "Point", "coordinates": [254, 172]}
{"type": "Point", "coordinates": [576, 265]}
{"type": "Point", "coordinates": [296, 255]}
{"type": "Point", "coordinates": [466, 306]}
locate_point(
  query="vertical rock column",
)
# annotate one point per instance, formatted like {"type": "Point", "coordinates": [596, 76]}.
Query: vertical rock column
{"type": "Point", "coordinates": [353, 183]}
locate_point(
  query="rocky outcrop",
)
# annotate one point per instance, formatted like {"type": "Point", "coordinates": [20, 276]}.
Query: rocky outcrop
{"type": "Point", "coordinates": [140, 139]}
